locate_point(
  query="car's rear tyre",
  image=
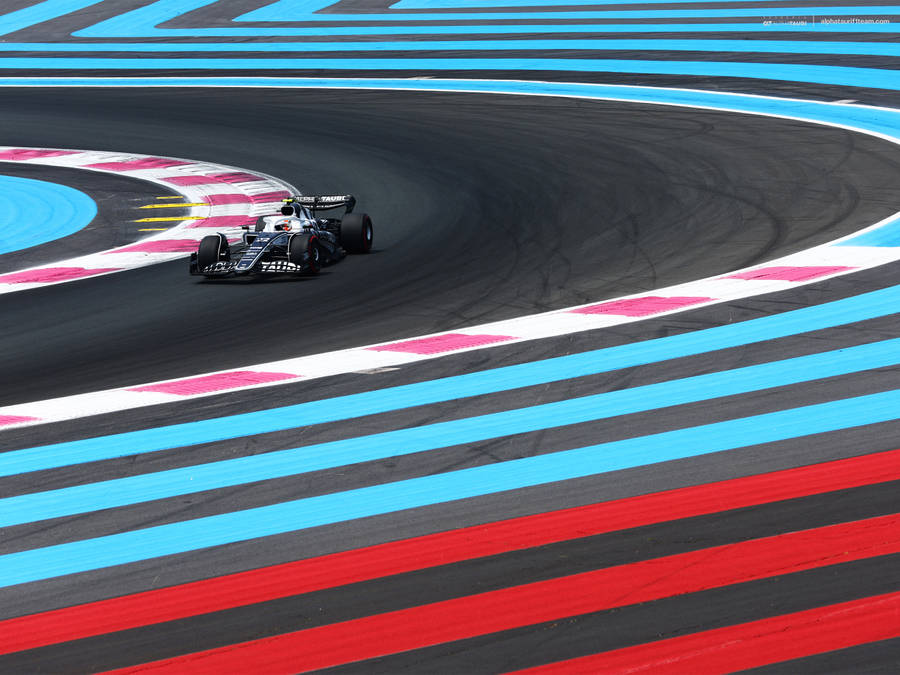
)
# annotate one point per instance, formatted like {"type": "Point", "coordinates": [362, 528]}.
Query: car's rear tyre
{"type": "Point", "coordinates": [212, 249]}
{"type": "Point", "coordinates": [303, 250]}
{"type": "Point", "coordinates": [357, 233]}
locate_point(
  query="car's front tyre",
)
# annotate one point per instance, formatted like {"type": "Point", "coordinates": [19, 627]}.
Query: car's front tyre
{"type": "Point", "coordinates": [212, 249]}
{"type": "Point", "coordinates": [303, 251]}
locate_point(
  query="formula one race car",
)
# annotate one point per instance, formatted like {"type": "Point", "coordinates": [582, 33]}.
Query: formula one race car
{"type": "Point", "coordinates": [297, 241]}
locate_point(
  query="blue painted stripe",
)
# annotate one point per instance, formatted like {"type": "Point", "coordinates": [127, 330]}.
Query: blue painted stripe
{"type": "Point", "coordinates": [145, 19]}
{"type": "Point", "coordinates": [192, 535]}
{"type": "Point", "coordinates": [849, 310]}
{"type": "Point", "coordinates": [481, 4]}
{"type": "Point", "coordinates": [443, 29]}
{"type": "Point", "coordinates": [34, 212]}
{"type": "Point", "coordinates": [886, 235]}
{"type": "Point", "coordinates": [303, 10]}
{"type": "Point", "coordinates": [197, 478]}
{"type": "Point", "coordinates": [875, 78]}
{"type": "Point", "coordinates": [39, 13]}
{"type": "Point", "coordinates": [653, 44]}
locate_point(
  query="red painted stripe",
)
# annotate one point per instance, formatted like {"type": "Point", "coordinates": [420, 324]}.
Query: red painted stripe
{"type": "Point", "coordinates": [49, 275]}
{"type": "Point", "coordinates": [237, 177]}
{"type": "Point", "coordinates": [163, 246]}
{"type": "Point", "coordinates": [462, 618]}
{"type": "Point", "coordinates": [304, 576]}
{"type": "Point", "coordinates": [138, 164]}
{"type": "Point", "coordinates": [223, 199]}
{"type": "Point", "coordinates": [750, 645]}
{"type": "Point", "coordinates": [24, 154]}
{"type": "Point", "coordinates": [6, 420]}
{"type": "Point", "coordinates": [645, 306]}
{"type": "Point", "coordinates": [205, 384]}
{"type": "Point", "coordinates": [789, 273]}
{"type": "Point", "coordinates": [438, 344]}
{"type": "Point", "coordinates": [158, 246]}
{"type": "Point", "coordinates": [265, 197]}
{"type": "Point", "coordinates": [192, 180]}
{"type": "Point", "coordinates": [223, 221]}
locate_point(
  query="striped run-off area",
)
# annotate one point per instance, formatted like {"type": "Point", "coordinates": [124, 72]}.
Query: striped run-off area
{"type": "Point", "coordinates": [422, 596]}
{"type": "Point", "coordinates": [754, 44]}
{"type": "Point", "coordinates": [699, 479]}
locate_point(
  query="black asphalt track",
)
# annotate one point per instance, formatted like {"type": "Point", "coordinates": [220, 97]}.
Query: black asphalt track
{"type": "Point", "coordinates": [486, 208]}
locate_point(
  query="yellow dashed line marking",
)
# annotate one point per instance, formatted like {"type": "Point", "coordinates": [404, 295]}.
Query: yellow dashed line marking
{"type": "Point", "coordinates": [166, 219]}
{"type": "Point", "coordinates": [171, 206]}
{"type": "Point", "coordinates": [171, 197]}
{"type": "Point", "coordinates": [153, 229]}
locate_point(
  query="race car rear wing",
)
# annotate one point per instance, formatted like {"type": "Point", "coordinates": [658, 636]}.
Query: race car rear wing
{"type": "Point", "coordinates": [323, 202]}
